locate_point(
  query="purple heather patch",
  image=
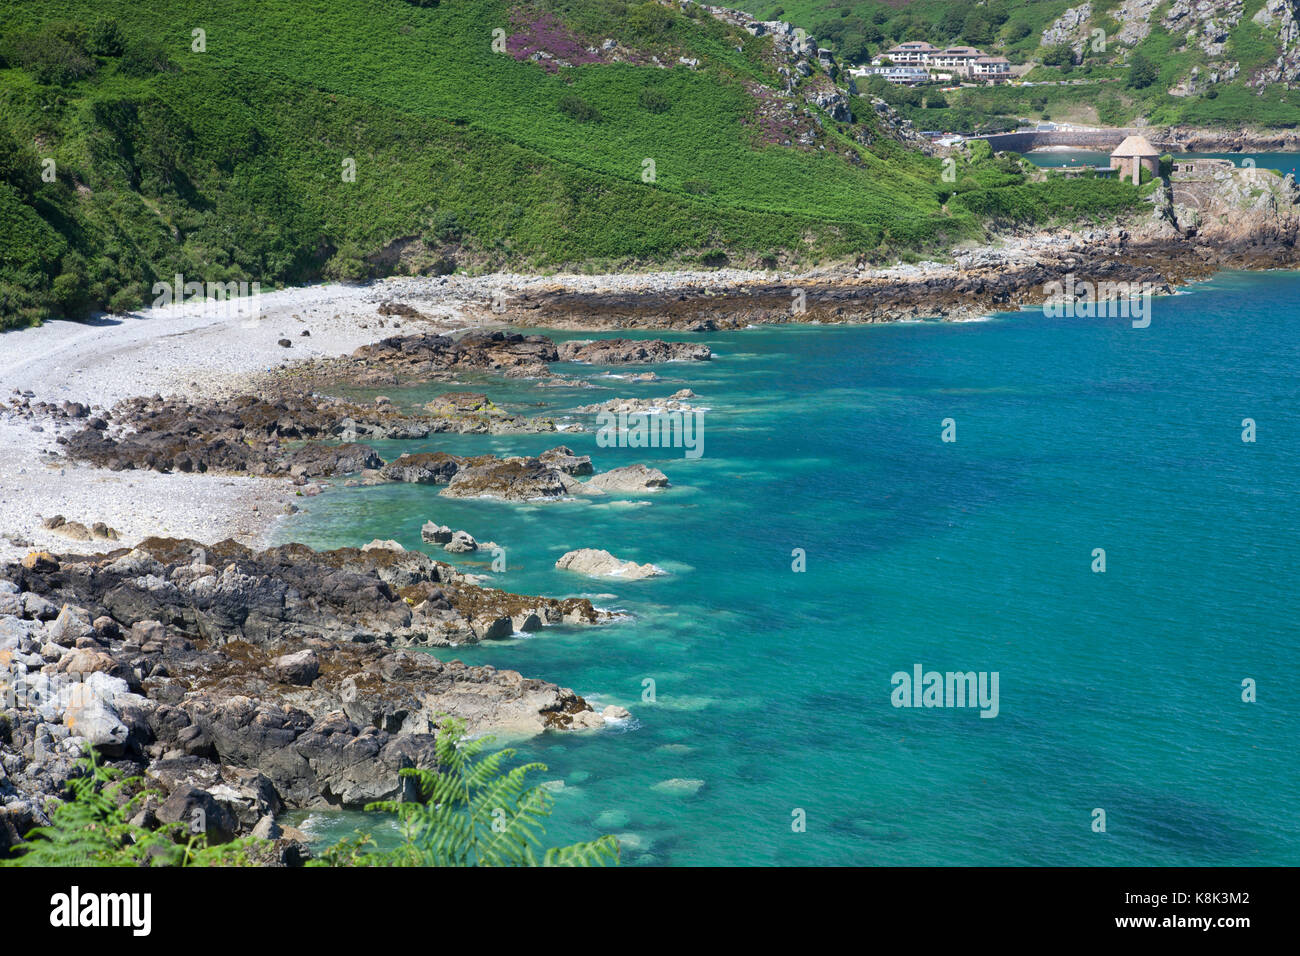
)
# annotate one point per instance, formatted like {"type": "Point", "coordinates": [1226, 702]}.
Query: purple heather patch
{"type": "Point", "coordinates": [539, 35]}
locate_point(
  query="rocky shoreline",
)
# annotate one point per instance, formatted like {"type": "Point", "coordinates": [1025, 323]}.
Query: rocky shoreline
{"type": "Point", "coordinates": [244, 679]}
{"type": "Point", "coordinates": [249, 683]}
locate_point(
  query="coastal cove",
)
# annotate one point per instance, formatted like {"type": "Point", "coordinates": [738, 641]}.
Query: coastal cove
{"type": "Point", "coordinates": [772, 687]}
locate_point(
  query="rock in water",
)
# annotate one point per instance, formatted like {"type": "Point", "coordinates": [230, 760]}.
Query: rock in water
{"type": "Point", "coordinates": [514, 479]}
{"type": "Point", "coordinates": [596, 563]}
{"type": "Point", "coordinates": [435, 533]}
{"type": "Point", "coordinates": [631, 478]}
{"type": "Point", "coordinates": [461, 542]}
{"type": "Point", "coordinates": [562, 458]}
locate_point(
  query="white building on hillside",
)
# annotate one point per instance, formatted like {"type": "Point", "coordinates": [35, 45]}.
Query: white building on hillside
{"type": "Point", "coordinates": [912, 53]}
{"type": "Point", "coordinates": [995, 69]}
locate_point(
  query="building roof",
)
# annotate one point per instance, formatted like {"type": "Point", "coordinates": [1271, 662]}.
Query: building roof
{"type": "Point", "coordinates": [962, 51]}
{"type": "Point", "coordinates": [992, 59]}
{"type": "Point", "coordinates": [912, 45]}
{"type": "Point", "coordinates": [1135, 146]}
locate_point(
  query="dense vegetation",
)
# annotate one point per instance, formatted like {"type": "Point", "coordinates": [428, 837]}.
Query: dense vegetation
{"type": "Point", "coordinates": [348, 138]}
{"type": "Point", "coordinates": [1118, 83]}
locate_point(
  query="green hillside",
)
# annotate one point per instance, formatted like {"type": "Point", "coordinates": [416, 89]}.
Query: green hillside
{"type": "Point", "coordinates": [229, 163]}
{"type": "Point", "coordinates": [1211, 63]}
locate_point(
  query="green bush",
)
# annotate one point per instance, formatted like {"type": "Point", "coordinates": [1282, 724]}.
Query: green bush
{"type": "Point", "coordinates": [106, 39]}
{"type": "Point", "coordinates": [55, 57]}
{"type": "Point", "coordinates": [575, 107]}
{"type": "Point", "coordinates": [654, 99]}
{"type": "Point", "coordinates": [1142, 72]}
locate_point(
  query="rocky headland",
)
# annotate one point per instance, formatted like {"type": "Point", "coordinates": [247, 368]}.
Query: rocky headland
{"type": "Point", "coordinates": [249, 683]}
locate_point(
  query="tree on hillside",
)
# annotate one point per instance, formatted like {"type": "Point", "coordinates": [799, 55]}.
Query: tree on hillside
{"type": "Point", "coordinates": [977, 30]}
{"type": "Point", "coordinates": [951, 23]}
{"type": "Point", "coordinates": [1142, 72]}
{"type": "Point", "coordinates": [1059, 55]}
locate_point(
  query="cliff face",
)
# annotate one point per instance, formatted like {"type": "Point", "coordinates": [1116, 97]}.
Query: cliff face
{"type": "Point", "coordinates": [1225, 210]}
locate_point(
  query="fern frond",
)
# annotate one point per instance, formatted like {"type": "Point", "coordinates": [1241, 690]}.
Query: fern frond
{"type": "Point", "coordinates": [472, 811]}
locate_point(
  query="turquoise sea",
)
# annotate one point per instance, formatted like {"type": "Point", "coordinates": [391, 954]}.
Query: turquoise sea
{"type": "Point", "coordinates": [1119, 690]}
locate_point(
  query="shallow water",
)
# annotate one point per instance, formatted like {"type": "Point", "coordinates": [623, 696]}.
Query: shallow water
{"type": "Point", "coordinates": [1119, 690]}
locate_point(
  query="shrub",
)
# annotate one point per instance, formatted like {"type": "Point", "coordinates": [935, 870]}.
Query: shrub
{"type": "Point", "coordinates": [106, 39]}
{"type": "Point", "coordinates": [142, 58]}
{"type": "Point", "coordinates": [654, 100]}
{"type": "Point", "coordinates": [575, 107]}
{"type": "Point", "coordinates": [1142, 72]}
{"type": "Point", "coordinates": [1059, 55]}
{"type": "Point", "coordinates": [347, 264]}
{"type": "Point", "coordinates": [56, 57]}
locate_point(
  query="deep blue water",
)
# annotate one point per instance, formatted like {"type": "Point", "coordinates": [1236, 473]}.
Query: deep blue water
{"type": "Point", "coordinates": [1119, 690]}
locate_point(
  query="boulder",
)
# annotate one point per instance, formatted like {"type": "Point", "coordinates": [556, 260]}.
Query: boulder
{"type": "Point", "coordinates": [461, 542]}
{"type": "Point", "coordinates": [200, 812]}
{"type": "Point", "coordinates": [300, 668]}
{"type": "Point", "coordinates": [425, 468]}
{"type": "Point", "coordinates": [596, 563]}
{"type": "Point", "coordinates": [629, 479]}
{"type": "Point", "coordinates": [562, 458]}
{"type": "Point", "coordinates": [435, 533]}
{"type": "Point", "coordinates": [40, 561]}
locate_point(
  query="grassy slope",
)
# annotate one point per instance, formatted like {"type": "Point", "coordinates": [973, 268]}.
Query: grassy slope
{"type": "Point", "coordinates": [227, 166]}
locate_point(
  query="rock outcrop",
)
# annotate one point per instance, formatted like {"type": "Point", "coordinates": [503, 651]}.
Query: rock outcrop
{"type": "Point", "coordinates": [630, 351]}
{"type": "Point", "coordinates": [244, 683]}
{"type": "Point", "coordinates": [630, 479]}
{"type": "Point", "coordinates": [601, 564]}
